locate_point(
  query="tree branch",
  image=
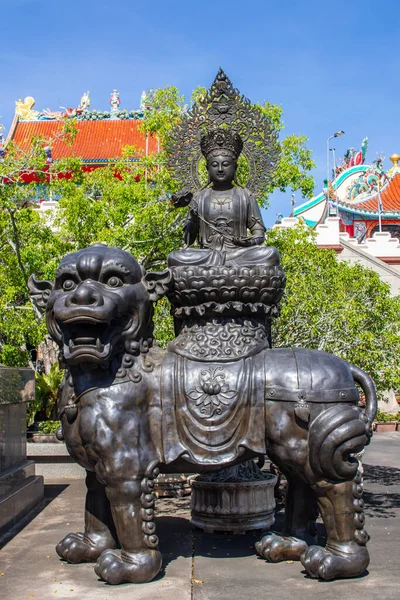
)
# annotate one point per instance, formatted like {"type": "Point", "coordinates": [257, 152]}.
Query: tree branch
{"type": "Point", "coordinates": [16, 246]}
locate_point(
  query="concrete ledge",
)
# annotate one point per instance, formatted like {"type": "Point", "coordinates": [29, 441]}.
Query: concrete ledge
{"type": "Point", "coordinates": [53, 461]}
{"type": "Point", "coordinates": [13, 477]}
{"type": "Point", "coordinates": [20, 502]}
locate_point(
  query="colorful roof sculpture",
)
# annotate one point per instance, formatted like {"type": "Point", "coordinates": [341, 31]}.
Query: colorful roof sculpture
{"type": "Point", "coordinates": [390, 201]}
{"type": "Point", "coordinates": [358, 192]}
{"type": "Point", "coordinates": [101, 135]}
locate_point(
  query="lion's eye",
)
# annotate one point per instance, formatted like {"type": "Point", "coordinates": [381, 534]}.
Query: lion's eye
{"type": "Point", "coordinates": [69, 285]}
{"type": "Point", "coordinates": [114, 282]}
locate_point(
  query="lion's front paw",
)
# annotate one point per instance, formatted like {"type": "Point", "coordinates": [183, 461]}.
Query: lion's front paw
{"type": "Point", "coordinates": [78, 547]}
{"type": "Point", "coordinates": [275, 548]}
{"type": "Point", "coordinates": [323, 563]}
{"type": "Point", "coordinates": [116, 567]}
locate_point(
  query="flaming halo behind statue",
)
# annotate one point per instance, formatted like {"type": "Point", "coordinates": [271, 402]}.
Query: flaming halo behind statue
{"type": "Point", "coordinates": [223, 107]}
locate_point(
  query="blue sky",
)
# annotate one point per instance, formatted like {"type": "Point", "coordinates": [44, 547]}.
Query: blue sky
{"type": "Point", "coordinates": [332, 65]}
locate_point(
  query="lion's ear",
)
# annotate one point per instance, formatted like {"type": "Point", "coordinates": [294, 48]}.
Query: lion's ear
{"type": "Point", "coordinates": [158, 284]}
{"type": "Point", "coordinates": [40, 291]}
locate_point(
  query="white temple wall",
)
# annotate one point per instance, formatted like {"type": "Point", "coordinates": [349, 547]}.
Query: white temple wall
{"type": "Point", "coordinates": [380, 253]}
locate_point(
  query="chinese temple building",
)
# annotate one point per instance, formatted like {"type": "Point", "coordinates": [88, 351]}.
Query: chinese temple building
{"type": "Point", "coordinates": [357, 214]}
{"type": "Point", "coordinates": [364, 197]}
{"type": "Point", "coordinates": [101, 135]}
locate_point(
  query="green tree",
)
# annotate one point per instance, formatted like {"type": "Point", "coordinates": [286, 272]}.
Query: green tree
{"type": "Point", "coordinates": [28, 242]}
{"type": "Point", "coordinates": [295, 163]}
{"type": "Point", "coordinates": [336, 307]}
{"type": "Point", "coordinates": [125, 204]}
{"type": "Point", "coordinates": [46, 393]}
{"type": "Point", "coordinates": [328, 305]}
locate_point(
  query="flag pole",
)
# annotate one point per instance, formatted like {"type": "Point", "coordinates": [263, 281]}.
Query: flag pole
{"type": "Point", "coordinates": [379, 208]}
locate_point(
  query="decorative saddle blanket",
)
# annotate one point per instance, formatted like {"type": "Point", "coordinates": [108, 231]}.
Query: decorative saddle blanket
{"type": "Point", "coordinates": [212, 411]}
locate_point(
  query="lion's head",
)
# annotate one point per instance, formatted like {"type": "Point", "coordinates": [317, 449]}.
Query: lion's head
{"type": "Point", "coordinates": [98, 306]}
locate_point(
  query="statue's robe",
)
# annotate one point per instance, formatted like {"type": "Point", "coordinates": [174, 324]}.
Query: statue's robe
{"type": "Point", "coordinates": [217, 220]}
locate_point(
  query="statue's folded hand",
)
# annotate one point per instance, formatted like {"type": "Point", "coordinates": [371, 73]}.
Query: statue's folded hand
{"type": "Point", "coordinates": [248, 241]}
{"type": "Point", "coordinates": [241, 241]}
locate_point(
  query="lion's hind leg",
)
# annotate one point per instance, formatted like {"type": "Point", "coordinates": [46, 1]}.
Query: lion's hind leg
{"type": "Point", "coordinates": [345, 553]}
{"type": "Point", "coordinates": [299, 529]}
{"type": "Point", "coordinates": [335, 436]}
{"type": "Point", "coordinates": [99, 531]}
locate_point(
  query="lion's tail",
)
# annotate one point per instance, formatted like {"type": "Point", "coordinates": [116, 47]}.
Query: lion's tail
{"type": "Point", "coordinates": [334, 437]}
{"type": "Point", "coordinates": [368, 388]}
{"type": "Point", "coordinates": [340, 432]}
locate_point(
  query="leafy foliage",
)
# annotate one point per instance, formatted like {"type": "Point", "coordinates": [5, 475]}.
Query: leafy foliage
{"type": "Point", "coordinates": [125, 204]}
{"type": "Point", "coordinates": [384, 417]}
{"type": "Point", "coordinates": [295, 161]}
{"type": "Point", "coordinates": [47, 390]}
{"type": "Point", "coordinates": [336, 307]}
{"type": "Point", "coordinates": [27, 242]}
{"type": "Point", "coordinates": [32, 408]}
{"type": "Point", "coordinates": [47, 427]}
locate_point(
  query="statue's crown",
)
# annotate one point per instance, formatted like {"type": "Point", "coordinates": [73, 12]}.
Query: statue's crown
{"type": "Point", "coordinates": [221, 141]}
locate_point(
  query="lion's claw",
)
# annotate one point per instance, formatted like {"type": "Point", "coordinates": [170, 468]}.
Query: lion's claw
{"type": "Point", "coordinates": [78, 547]}
{"type": "Point", "coordinates": [276, 548]}
{"type": "Point", "coordinates": [323, 563]}
{"type": "Point", "coordinates": [117, 567]}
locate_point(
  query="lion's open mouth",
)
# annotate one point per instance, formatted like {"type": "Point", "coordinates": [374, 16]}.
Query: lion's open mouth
{"type": "Point", "coordinates": [86, 340]}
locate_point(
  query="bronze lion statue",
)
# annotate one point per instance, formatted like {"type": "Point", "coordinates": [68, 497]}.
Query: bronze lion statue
{"type": "Point", "coordinates": [217, 396]}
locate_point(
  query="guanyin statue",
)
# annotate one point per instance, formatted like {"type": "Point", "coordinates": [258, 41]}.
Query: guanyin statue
{"type": "Point", "coordinates": [222, 215]}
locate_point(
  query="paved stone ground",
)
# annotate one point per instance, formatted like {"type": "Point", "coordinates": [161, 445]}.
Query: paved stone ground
{"type": "Point", "coordinates": [205, 567]}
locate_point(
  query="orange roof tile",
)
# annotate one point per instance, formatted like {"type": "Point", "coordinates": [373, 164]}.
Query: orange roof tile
{"type": "Point", "coordinates": [95, 140]}
{"type": "Point", "coordinates": [390, 197]}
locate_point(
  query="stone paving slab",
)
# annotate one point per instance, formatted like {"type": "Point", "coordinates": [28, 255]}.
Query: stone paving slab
{"type": "Point", "coordinates": [226, 569]}
{"type": "Point", "coordinates": [198, 566]}
{"type": "Point", "coordinates": [33, 571]}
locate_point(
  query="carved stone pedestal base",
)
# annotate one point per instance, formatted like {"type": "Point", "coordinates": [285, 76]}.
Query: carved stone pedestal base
{"type": "Point", "coordinates": [236, 507]}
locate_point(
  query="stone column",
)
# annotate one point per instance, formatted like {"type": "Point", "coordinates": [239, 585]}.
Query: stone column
{"type": "Point", "coordinates": [20, 489]}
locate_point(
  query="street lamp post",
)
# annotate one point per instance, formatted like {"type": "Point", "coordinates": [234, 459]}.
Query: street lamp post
{"type": "Point", "coordinates": [333, 150]}
{"type": "Point", "coordinates": [335, 135]}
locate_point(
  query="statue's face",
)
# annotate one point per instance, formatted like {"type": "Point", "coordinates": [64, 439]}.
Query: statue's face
{"type": "Point", "coordinates": [221, 170]}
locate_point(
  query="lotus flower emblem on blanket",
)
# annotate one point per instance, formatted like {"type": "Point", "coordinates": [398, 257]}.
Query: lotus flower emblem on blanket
{"type": "Point", "coordinates": [212, 393]}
